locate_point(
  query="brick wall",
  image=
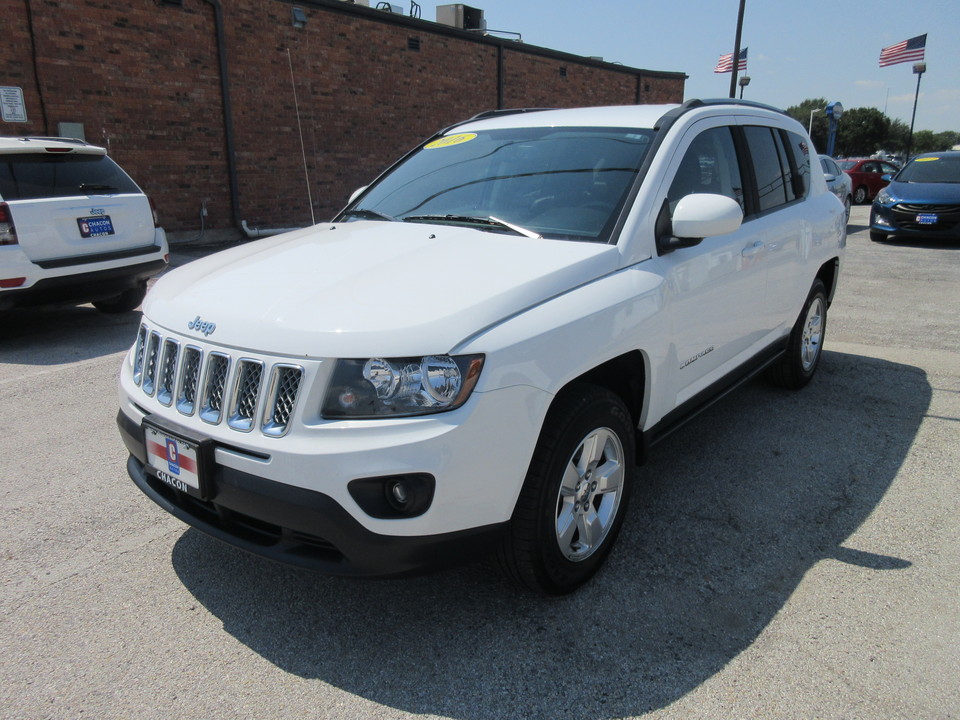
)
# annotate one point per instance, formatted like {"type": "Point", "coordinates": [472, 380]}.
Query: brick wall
{"type": "Point", "coordinates": [144, 79]}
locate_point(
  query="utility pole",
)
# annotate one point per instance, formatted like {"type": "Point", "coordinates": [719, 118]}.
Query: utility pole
{"type": "Point", "coordinates": [920, 68]}
{"type": "Point", "coordinates": [736, 53]}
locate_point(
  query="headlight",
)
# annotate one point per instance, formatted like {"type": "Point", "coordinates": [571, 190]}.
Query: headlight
{"type": "Point", "coordinates": [884, 196]}
{"type": "Point", "coordinates": [394, 387]}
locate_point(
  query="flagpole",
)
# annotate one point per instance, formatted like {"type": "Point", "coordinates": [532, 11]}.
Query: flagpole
{"type": "Point", "coordinates": [736, 53]}
{"type": "Point", "coordinates": [919, 69]}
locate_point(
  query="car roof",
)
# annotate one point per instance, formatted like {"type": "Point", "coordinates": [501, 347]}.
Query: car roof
{"type": "Point", "coordinates": [620, 116]}
{"type": "Point", "coordinates": [48, 145]}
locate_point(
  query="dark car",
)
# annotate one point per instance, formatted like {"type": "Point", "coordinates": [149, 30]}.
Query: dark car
{"type": "Point", "coordinates": [866, 176]}
{"type": "Point", "coordinates": [922, 200]}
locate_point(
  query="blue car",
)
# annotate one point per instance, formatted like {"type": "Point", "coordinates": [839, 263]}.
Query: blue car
{"type": "Point", "coordinates": [922, 200]}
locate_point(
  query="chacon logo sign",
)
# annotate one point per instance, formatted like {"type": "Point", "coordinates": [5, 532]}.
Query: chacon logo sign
{"type": "Point", "coordinates": [202, 326]}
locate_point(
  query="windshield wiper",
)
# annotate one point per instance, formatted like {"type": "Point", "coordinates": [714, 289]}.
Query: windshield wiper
{"type": "Point", "coordinates": [370, 215]}
{"type": "Point", "coordinates": [489, 220]}
{"type": "Point", "coordinates": [93, 187]}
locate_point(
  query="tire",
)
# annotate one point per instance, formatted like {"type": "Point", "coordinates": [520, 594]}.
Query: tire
{"type": "Point", "coordinates": [574, 497]}
{"type": "Point", "coordinates": [126, 301]}
{"type": "Point", "coordinates": [877, 236]}
{"type": "Point", "coordinates": [805, 347]}
{"type": "Point", "coordinates": [860, 195]}
{"type": "Point", "coordinates": [846, 207]}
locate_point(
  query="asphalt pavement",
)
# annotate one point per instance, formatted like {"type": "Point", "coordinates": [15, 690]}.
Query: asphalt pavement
{"type": "Point", "coordinates": [786, 555]}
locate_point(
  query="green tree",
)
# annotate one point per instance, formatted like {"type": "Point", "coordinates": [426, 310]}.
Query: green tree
{"type": "Point", "coordinates": [897, 136]}
{"type": "Point", "coordinates": [812, 108]}
{"type": "Point", "coordinates": [861, 132]}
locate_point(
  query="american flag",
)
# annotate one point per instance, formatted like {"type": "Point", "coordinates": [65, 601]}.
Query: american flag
{"type": "Point", "coordinates": [725, 63]}
{"type": "Point", "coordinates": [907, 51]}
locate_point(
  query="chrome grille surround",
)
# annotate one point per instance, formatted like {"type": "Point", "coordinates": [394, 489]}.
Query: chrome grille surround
{"type": "Point", "coordinates": [241, 392]}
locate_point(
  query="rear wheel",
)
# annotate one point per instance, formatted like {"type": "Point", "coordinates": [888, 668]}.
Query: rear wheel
{"type": "Point", "coordinates": [575, 494]}
{"type": "Point", "coordinates": [126, 301]}
{"type": "Point", "coordinates": [796, 368]}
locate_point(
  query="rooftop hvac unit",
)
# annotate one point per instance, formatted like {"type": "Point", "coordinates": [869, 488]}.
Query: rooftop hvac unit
{"type": "Point", "coordinates": [461, 16]}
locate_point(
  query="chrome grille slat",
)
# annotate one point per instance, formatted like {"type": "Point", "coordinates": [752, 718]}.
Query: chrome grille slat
{"type": "Point", "coordinates": [243, 392]}
{"type": "Point", "coordinates": [215, 384]}
{"type": "Point", "coordinates": [167, 376]}
{"type": "Point", "coordinates": [150, 363]}
{"type": "Point", "coordinates": [281, 399]}
{"type": "Point", "coordinates": [189, 380]}
{"type": "Point", "coordinates": [138, 354]}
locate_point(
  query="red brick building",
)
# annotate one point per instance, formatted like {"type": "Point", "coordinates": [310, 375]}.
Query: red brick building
{"type": "Point", "coordinates": [199, 99]}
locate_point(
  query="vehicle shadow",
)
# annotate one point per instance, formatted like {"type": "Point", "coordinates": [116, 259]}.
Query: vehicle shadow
{"type": "Point", "coordinates": [730, 513]}
{"type": "Point", "coordinates": [57, 334]}
{"type": "Point", "coordinates": [923, 243]}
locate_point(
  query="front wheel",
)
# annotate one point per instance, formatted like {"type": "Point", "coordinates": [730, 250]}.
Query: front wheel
{"type": "Point", "coordinates": [860, 195]}
{"type": "Point", "coordinates": [575, 494]}
{"type": "Point", "coordinates": [877, 236]}
{"type": "Point", "coordinates": [805, 347]}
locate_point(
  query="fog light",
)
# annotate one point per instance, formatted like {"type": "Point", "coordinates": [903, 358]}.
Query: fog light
{"type": "Point", "coordinates": [395, 496]}
{"type": "Point", "coordinates": [398, 495]}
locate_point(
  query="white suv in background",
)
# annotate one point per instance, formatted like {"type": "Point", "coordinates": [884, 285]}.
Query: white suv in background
{"type": "Point", "coordinates": [74, 227]}
{"type": "Point", "coordinates": [475, 353]}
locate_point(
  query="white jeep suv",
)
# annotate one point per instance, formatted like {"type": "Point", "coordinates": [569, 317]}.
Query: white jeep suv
{"type": "Point", "coordinates": [475, 353]}
{"type": "Point", "coordinates": [73, 227]}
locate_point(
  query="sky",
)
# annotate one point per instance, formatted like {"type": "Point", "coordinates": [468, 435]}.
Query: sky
{"type": "Point", "coordinates": [796, 50]}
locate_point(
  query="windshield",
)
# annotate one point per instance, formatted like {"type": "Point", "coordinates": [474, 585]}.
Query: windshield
{"type": "Point", "coordinates": [847, 164]}
{"type": "Point", "coordinates": [566, 183]}
{"type": "Point", "coordinates": [942, 169]}
{"type": "Point", "coordinates": [32, 176]}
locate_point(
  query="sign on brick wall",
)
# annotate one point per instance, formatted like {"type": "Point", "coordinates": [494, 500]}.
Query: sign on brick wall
{"type": "Point", "coordinates": [12, 105]}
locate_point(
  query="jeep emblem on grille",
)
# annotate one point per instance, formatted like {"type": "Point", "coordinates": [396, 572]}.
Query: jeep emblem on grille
{"type": "Point", "coordinates": [202, 326]}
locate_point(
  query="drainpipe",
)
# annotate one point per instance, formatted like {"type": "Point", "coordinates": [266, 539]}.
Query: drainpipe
{"type": "Point", "coordinates": [254, 233]}
{"type": "Point", "coordinates": [227, 114]}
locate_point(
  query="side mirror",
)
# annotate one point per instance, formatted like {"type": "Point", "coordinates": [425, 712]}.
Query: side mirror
{"type": "Point", "coordinates": [703, 215]}
{"type": "Point", "coordinates": [357, 193]}
{"type": "Point", "coordinates": [887, 178]}
{"type": "Point", "coordinates": [829, 177]}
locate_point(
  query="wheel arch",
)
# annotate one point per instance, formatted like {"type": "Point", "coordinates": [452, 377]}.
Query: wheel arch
{"type": "Point", "coordinates": [626, 377]}
{"type": "Point", "coordinates": [829, 273]}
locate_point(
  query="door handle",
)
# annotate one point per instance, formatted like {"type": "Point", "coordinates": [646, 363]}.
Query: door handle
{"type": "Point", "coordinates": [752, 250]}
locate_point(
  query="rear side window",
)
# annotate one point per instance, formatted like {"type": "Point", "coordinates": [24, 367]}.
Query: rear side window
{"type": "Point", "coordinates": [31, 176]}
{"type": "Point", "coordinates": [800, 165]}
{"type": "Point", "coordinates": [781, 165]}
{"type": "Point", "coordinates": [766, 152]}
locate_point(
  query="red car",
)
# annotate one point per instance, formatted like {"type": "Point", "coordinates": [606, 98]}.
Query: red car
{"type": "Point", "coordinates": [866, 175]}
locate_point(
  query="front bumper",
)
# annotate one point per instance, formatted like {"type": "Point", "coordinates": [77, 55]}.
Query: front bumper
{"type": "Point", "coordinates": [904, 220]}
{"type": "Point", "coordinates": [299, 526]}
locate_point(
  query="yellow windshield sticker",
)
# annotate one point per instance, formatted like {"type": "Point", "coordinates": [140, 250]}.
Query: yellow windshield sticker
{"type": "Point", "coordinates": [927, 159]}
{"type": "Point", "coordinates": [449, 141]}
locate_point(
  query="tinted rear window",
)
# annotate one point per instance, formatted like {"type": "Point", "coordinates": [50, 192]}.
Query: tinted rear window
{"type": "Point", "coordinates": [29, 176]}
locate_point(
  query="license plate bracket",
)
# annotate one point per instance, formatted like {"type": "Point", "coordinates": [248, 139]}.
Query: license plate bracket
{"type": "Point", "coordinates": [927, 219]}
{"type": "Point", "coordinates": [93, 227]}
{"type": "Point", "coordinates": [178, 458]}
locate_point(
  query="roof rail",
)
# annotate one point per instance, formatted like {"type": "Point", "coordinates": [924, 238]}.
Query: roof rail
{"type": "Point", "coordinates": [671, 116]}
{"type": "Point", "coordinates": [500, 113]}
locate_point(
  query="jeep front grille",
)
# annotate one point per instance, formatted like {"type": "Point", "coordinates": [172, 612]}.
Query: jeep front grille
{"type": "Point", "coordinates": [216, 386]}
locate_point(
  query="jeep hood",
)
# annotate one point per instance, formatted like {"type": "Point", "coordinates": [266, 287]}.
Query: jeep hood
{"type": "Point", "coordinates": [368, 288]}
